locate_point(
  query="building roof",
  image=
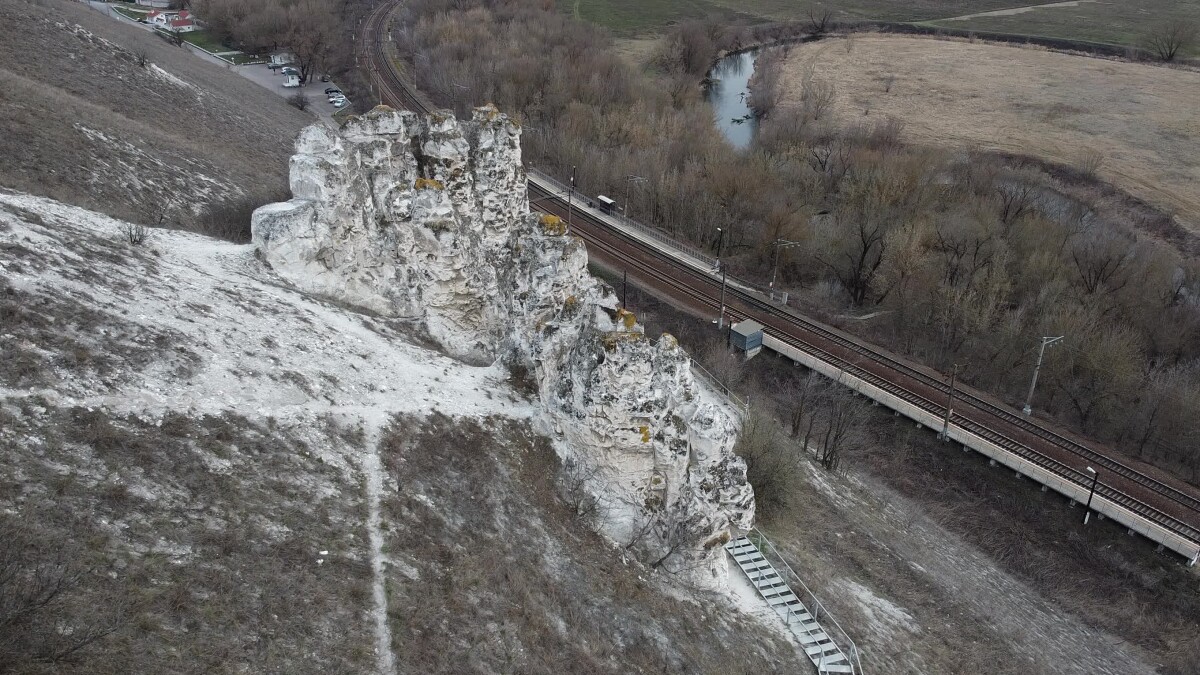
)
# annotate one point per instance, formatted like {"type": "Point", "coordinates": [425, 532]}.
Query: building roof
{"type": "Point", "coordinates": [179, 23]}
{"type": "Point", "coordinates": [747, 328]}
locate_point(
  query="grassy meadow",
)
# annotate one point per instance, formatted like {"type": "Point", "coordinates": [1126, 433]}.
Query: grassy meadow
{"type": "Point", "coordinates": [1091, 20]}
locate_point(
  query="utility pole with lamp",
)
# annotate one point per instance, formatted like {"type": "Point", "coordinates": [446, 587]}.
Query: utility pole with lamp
{"type": "Point", "coordinates": [780, 244]}
{"type": "Point", "coordinates": [1028, 409]}
{"type": "Point", "coordinates": [945, 435]}
{"type": "Point", "coordinates": [1088, 511]}
{"type": "Point", "coordinates": [570, 194]}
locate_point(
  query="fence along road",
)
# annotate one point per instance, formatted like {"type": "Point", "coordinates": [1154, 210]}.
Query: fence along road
{"type": "Point", "coordinates": [1145, 500]}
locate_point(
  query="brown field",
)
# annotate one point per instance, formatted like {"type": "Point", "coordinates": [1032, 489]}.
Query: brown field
{"type": "Point", "coordinates": [1141, 118]}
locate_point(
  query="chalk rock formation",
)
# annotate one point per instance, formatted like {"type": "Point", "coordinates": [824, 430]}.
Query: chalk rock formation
{"type": "Point", "coordinates": [428, 218]}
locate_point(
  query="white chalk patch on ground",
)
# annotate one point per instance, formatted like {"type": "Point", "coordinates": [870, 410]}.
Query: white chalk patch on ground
{"type": "Point", "coordinates": [260, 347]}
{"type": "Point", "coordinates": [886, 619]}
{"type": "Point", "coordinates": [168, 77]}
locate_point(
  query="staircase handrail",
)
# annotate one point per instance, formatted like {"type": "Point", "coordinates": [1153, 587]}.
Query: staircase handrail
{"type": "Point", "coordinates": [817, 607]}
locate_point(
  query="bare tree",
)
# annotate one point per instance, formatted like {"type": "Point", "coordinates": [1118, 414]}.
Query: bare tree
{"type": "Point", "coordinates": [816, 96]}
{"type": "Point", "coordinates": [819, 21]}
{"type": "Point", "coordinates": [311, 35]}
{"type": "Point", "coordinates": [1169, 38]}
{"type": "Point", "coordinates": [173, 37]}
{"type": "Point", "coordinates": [841, 422]}
{"type": "Point", "coordinates": [1015, 199]}
{"type": "Point", "coordinates": [1103, 262]}
{"type": "Point", "coordinates": [299, 101]}
{"type": "Point", "coordinates": [857, 253]}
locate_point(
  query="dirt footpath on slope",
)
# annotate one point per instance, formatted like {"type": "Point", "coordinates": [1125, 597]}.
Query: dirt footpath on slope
{"type": "Point", "coordinates": [1059, 107]}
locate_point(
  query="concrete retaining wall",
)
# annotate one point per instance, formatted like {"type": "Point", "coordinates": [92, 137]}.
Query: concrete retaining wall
{"type": "Point", "coordinates": [1120, 514]}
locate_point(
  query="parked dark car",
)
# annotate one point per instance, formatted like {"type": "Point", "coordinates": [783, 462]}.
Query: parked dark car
{"type": "Point", "coordinates": [332, 90]}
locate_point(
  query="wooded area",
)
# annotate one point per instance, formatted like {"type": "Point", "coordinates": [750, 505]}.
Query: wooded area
{"type": "Point", "coordinates": [963, 258]}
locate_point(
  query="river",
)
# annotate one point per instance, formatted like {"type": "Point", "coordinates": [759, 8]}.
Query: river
{"type": "Point", "coordinates": [727, 93]}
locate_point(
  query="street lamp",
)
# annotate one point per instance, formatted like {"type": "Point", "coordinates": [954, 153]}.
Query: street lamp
{"type": "Point", "coordinates": [720, 245]}
{"type": "Point", "coordinates": [569, 196]}
{"type": "Point", "coordinates": [780, 244]}
{"type": "Point", "coordinates": [1028, 409]}
{"type": "Point", "coordinates": [720, 320]}
{"type": "Point", "coordinates": [1088, 512]}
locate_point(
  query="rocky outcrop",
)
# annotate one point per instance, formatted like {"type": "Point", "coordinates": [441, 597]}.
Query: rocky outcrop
{"type": "Point", "coordinates": [428, 218]}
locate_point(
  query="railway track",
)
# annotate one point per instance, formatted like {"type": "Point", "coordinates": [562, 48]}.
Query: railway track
{"type": "Point", "coordinates": [853, 357]}
{"type": "Point", "coordinates": [1172, 507]}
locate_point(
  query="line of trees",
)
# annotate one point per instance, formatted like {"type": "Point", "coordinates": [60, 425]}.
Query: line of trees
{"type": "Point", "coordinates": [309, 29]}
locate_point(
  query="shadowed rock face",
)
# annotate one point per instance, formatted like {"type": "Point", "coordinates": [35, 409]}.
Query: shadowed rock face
{"type": "Point", "coordinates": [428, 218]}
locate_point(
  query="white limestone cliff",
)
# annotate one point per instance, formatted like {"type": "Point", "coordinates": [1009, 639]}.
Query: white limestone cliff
{"type": "Point", "coordinates": [428, 218]}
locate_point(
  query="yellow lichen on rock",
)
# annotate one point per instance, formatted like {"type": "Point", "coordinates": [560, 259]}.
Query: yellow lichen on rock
{"type": "Point", "coordinates": [645, 431]}
{"type": "Point", "coordinates": [428, 184]}
{"type": "Point", "coordinates": [626, 318]}
{"type": "Point", "coordinates": [611, 340]}
{"type": "Point", "coordinates": [553, 225]}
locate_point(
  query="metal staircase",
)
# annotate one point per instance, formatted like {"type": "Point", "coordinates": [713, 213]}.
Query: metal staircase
{"type": "Point", "coordinates": [776, 589]}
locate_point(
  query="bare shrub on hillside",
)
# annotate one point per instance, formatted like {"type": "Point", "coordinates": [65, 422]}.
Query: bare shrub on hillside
{"type": "Point", "coordinates": [1089, 162]}
{"type": "Point", "coordinates": [575, 482]}
{"type": "Point", "coordinates": [134, 233]}
{"type": "Point", "coordinates": [816, 96]}
{"type": "Point", "coordinates": [298, 101]}
{"type": "Point", "coordinates": [772, 462]}
{"type": "Point", "coordinates": [43, 618]}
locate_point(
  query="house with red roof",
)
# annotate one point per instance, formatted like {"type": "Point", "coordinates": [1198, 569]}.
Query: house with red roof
{"type": "Point", "coordinates": [176, 21]}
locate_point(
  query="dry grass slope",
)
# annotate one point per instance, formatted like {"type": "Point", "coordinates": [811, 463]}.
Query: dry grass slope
{"type": "Point", "coordinates": [494, 573]}
{"type": "Point", "coordinates": [83, 120]}
{"type": "Point", "coordinates": [1139, 118]}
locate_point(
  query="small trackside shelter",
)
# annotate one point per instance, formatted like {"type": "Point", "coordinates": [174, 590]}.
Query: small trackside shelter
{"type": "Point", "coordinates": [747, 336]}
